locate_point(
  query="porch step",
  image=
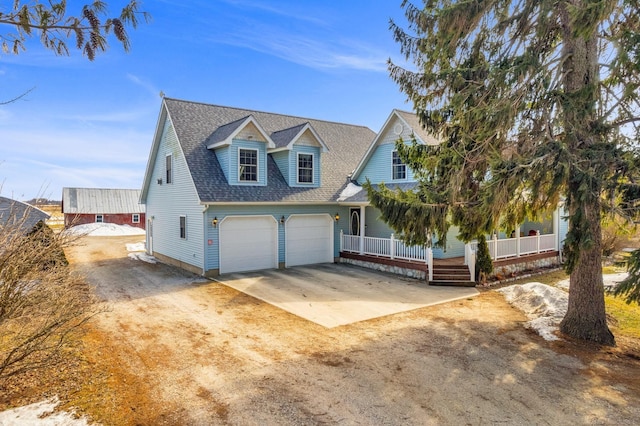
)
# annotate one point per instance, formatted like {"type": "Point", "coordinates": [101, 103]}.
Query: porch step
{"type": "Point", "coordinates": [451, 275]}
{"type": "Point", "coordinates": [451, 283]}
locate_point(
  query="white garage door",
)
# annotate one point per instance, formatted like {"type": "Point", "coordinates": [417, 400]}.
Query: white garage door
{"type": "Point", "coordinates": [309, 239]}
{"type": "Point", "coordinates": [248, 243]}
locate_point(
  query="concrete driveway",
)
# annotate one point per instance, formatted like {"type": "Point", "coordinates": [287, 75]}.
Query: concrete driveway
{"type": "Point", "coordinates": [335, 294]}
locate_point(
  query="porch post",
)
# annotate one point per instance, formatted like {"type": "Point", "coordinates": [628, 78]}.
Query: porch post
{"type": "Point", "coordinates": [362, 228]}
{"type": "Point", "coordinates": [518, 241]}
{"type": "Point", "coordinates": [537, 241]}
{"type": "Point", "coordinates": [430, 263]}
{"type": "Point", "coordinates": [556, 228]}
{"type": "Point", "coordinates": [392, 247]}
{"type": "Point", "coordinates": [494, 255]}
{"type": "Point", "coordinates": [341, 235]}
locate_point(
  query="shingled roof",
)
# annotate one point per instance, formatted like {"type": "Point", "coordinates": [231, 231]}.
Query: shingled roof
{"type": "Point", "coordinates": [194, 123]}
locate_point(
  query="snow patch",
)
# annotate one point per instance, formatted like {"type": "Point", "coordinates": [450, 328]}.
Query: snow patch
{"type": "Point", "coordinates": [105, 230]}
{"type": "Point", "coordinates": [609, 281]}
{"type": "Point", "coordinates": [142, 256]}
{"type": "Point", "coordinates": [351, 190]}
{"type": "Point", "coordinates": [41, 414]}
{"type": "Point", "coordinates": [545, 306]}
{"type": "Point", "coordinates": [136, 246]}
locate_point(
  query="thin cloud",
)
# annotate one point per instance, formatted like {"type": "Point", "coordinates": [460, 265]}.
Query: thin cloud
{"type": "Point", "coordinates": [128, 116]}
{"type": "Point", "coordinates": [286, 11]}
{"type": "Point", "coordinates": [311, 52]}
{"type": "Point", "coordinates": [150, 88]}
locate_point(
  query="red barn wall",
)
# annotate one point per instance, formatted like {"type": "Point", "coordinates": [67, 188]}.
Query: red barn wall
{"type": "Point", "coordinates": [118, 219]}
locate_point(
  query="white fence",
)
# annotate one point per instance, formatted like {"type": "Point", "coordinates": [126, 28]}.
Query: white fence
{"type": "Point", "coordinates": [390, 248]}
{"type": "Point", "coordinates": [519, 246]}
{"type": "Point", "coordinates": [383, 247]}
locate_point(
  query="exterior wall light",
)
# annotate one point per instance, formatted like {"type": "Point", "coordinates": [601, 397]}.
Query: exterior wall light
{"type": "Point", "coordinates": [337, 217]}
{"type": "Point", "coordinates": [214, 222]}
{"type": "Point", "coordinates": [282, 220]}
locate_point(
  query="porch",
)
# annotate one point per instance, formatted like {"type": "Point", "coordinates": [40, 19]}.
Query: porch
{"type": "Point", "coordinates": [392, 251]}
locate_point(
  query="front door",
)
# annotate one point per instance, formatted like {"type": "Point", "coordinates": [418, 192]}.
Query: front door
{"type": "Point", "coordinates": [354, 221]}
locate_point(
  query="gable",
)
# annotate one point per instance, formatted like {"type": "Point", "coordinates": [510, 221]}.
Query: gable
{"type": "Point", "coordinates": [376, 165]}
{"type": "Point", "coordinates": [251, 133]}
{"type": "Point", "coordinates": [246, 128]}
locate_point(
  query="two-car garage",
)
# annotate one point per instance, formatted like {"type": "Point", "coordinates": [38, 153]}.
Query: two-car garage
{"type": "Point", "coordinates": [253, 242]}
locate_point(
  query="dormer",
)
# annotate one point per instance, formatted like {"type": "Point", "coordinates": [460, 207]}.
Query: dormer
{"type": "Point", "coordinates": [297, 153]}
{"type": "Point", "coordinates": [381, 163]}
{"type": "Point", "coordinates": [241, 148]}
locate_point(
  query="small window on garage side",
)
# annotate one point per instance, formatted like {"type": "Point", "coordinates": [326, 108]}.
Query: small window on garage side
{"type": "Point", "coordinates": [135, 218]}
{"type": "Point", "coordinates": [183, 227]}
{"type": "Point", "coordinates": [169, 168]}
{"type": "Point", "coordinates": [99, 218]}
{"type": "Point", "coordinates": [305, 168]}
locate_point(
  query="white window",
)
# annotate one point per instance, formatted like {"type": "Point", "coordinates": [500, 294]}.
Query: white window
{"type": "Point", "coordinates": [305, 168]}
{"type": "Point", "coordinates": [135, 218]}
{"type": "Point", "coordinates": [169, 169]}
{"type": "Point", "coordinates": [183, 227]}
{"type": "Point", "coordinates": [398, 168]}
{"type": "Point", "coordinates": [248, 165]}
{"type": "Point", "coordinates": [99, 218]}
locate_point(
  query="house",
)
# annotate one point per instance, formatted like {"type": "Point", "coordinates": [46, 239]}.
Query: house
{"type": "Point", "coordinates": [370, 242]}
{"type": "Point", "coordinates": [98, 205]}
{"type": "Point", "coordinates": [16, 214]}
{"type": "Point", "coordinates": [229, 189]}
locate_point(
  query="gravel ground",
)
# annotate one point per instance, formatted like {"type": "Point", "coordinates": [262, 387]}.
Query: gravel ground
{"type": "Point", "coordinates": [196, 352]}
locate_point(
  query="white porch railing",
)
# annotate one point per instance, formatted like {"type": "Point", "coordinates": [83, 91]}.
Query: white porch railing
{"type": "Point", "coordinates": [390, 248]}
{"type": "Point", "coordinates": [519, 246]}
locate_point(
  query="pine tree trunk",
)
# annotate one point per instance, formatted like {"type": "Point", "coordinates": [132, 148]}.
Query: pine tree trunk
{"type": "Point", "coordinates": [586, 318]}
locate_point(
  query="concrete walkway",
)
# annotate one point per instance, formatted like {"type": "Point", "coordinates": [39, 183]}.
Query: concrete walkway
{"type": "Point", "coordinates": [338, 294]}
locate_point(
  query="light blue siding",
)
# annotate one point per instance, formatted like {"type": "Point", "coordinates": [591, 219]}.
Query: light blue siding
{"type": "Point", "coordinates": [222, 154]}
{"type": "Point", "coordinates": [277, 211]}
{"type": "Point", "coordinates": [234, 150]}
{"type": "Point", "coordinates": [379, 167]}
{"type": "Point", "coordinates": [374, 225]}
{"type": "Point", "coordinates": [454, 248]}
{"type": "Point", "coordinates": [167, 202]}
{"type": "Point", "coordinates": [563, 225]}
{"type": "Point", "coordinates": [282, 161]}
{"type": "Point", "coordinates": [293, 165]}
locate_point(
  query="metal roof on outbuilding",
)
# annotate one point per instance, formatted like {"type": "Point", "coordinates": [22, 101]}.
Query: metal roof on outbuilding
{"type": "Point", "coordinates": [101, 201]}
{"type": "Point", "coordinates": [17, 213]}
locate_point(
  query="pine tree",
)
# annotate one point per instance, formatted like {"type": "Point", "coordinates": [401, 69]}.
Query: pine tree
{"type": "Point", "coordinates": [535, 102]}
{"type": "Point", "coordinates": [484, 264]}
{"type": "Point", "coordinates": [52, 23]}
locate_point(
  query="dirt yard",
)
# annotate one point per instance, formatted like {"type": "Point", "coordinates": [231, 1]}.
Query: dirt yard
{"type": "Point", "coordinates": [173, 349]}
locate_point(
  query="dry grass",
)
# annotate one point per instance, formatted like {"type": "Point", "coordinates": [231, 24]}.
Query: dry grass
{"type": "Point", "coordinates": [625, 317]}
{"type": "Point", "coordinates": [56, 221]}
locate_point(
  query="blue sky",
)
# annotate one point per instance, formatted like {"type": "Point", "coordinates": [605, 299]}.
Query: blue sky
{"type": "Point", "coordinates": [91, 124]}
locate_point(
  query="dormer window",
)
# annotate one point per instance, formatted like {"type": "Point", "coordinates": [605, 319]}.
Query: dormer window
{"type": "Point", "coordinates": [398, 168]}
{"type": "Point", "coordinates": [248, 165]}
{"type": "Point", "coordinates": [305, 168]}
